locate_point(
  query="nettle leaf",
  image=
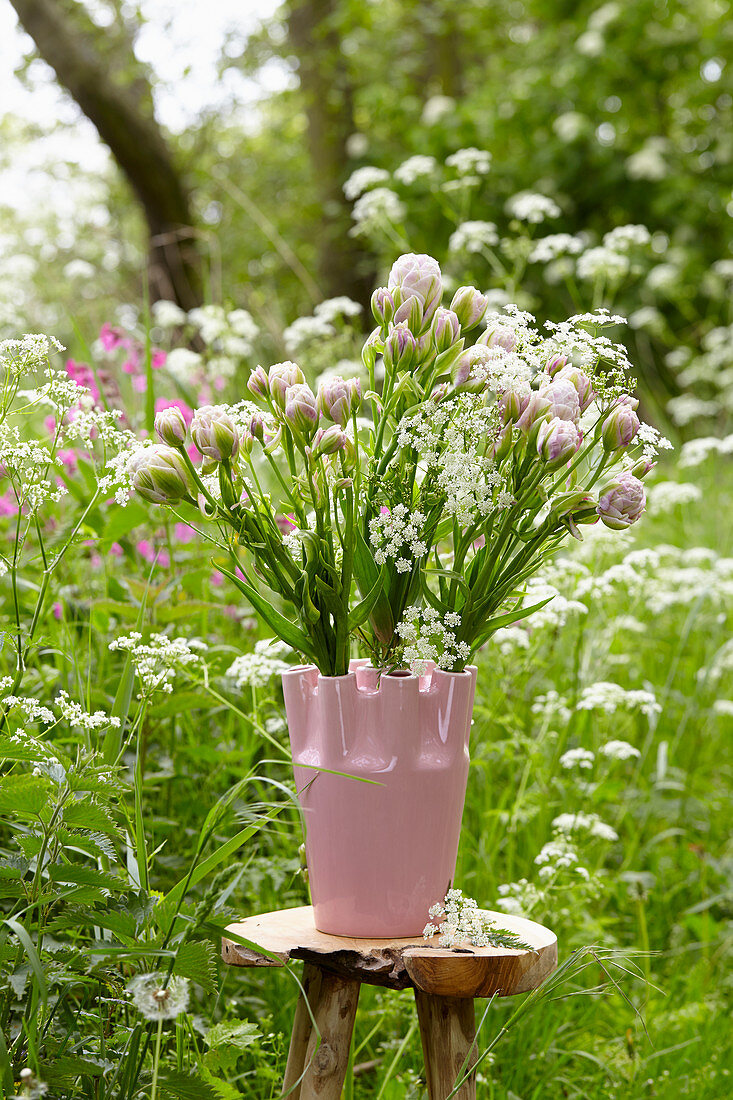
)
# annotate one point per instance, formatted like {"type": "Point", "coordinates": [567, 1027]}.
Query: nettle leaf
{"type": "Point", "coordinates": [197, 961]}
{"type": "Point", "coordinates": [120, 924]}
{"type": "Point", "coordinates": [24, 795]}
{"type": "Point", "coordinates": [18, 979]}
{"type": "Point", "coordinates": [94, 844]}
{"type": "Point", "coordinates": [186, 1086]}
{"type": "Point", "coordinates": [70, 1066]}
{"type": "Point", "coordinates": [85, 813]}
{"type": "Point", "coordinates": [227, 1041]}
{"type": "Point", "coordinates": [78, 874]}
{"type": "Point", "coordinates": [24, 749]}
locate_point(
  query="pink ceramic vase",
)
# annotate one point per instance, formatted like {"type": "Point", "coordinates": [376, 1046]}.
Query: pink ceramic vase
{"type": "Point", "coordinates": [379, 853]}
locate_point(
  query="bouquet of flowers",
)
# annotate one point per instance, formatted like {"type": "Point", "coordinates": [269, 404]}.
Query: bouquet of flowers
{"type": "Point", "coordinates": [403, 512]}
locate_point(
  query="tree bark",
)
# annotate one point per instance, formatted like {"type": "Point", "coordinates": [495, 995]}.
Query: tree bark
{"type": "Point", "coordinates": [324, 81]}
{"type": "Point", "coordinates": [116, 97]}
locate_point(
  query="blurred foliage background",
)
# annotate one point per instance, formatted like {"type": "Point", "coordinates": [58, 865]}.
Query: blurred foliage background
{"type": "Point", "coordinates": [621, 113]}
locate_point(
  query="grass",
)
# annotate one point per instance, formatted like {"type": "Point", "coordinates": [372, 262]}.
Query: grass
{"type": "Point", "coordinates": [656, 895]}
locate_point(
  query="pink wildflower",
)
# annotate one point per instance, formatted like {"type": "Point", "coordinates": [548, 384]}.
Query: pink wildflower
{"type": "Point", "coordinates": [109, 337]}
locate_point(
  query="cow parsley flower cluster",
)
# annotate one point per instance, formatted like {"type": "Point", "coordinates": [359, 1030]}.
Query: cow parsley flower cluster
{"type": "Point", "coordinates": [459, 921]}
{"type": "Point", "coordinates": [415, 168]}
{"type": "Point", "coordinates": [577, 758]}
{"type": "Point", "coordinates": [159, 659]}
{"type": "Point", "coordinates": [398, 534]}
{"type": "Point", "coordinates": [549, 248]}
{"type": "Point", "coordinates": [362, 179]}
{"type": "Point", "coordinates": [470, 161]}
{"type": "Point", "coordinates": [582, 822]}
{"type": "Point", "coordinates": [254, 670]}
{"type": "Point", "coordinates": [473, 236]}
{"type": "Point", "coordinates": [429, 640]}
{"type": "Point", "coordinates": [374, 208]}
{"type": "Point", "coordinates": [76, 716]}
{"type": "Point", "coordinates": [610, 697]}
{"type": "Point", "coordinates": [528, 206]}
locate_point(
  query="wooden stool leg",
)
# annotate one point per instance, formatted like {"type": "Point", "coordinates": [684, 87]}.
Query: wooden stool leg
{"type": "Point", "coordinates": [302, 1028]}
{"type": "Point", "coordinates": [448, 1033]}
{"type": "Point", "coordinates": [333, 1001]}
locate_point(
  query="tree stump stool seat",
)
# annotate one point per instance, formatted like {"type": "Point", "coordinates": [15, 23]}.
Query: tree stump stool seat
{"type": "Point", "coordinates": [445, 982]}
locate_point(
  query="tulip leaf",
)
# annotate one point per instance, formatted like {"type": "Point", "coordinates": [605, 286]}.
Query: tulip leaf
{"type": "Point", "coordinates": [492, 625]}
{"type": "Point", "coordinates": [283, 628]}
{"type": "Point", "coordinates": [363, 610]}
{"type": "Point", "coordinates": [366, 571]}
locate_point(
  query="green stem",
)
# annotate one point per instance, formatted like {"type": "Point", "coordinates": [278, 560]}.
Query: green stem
{"type": "Point", "coordinates": [156, 1060]}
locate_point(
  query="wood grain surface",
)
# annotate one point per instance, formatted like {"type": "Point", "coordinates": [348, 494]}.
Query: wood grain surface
{"type": "Point", "coordinates": [448, 1032]}
{"type": "Point", "coordinates": [397, 964]}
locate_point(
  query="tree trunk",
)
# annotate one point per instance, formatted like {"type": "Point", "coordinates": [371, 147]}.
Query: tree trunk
{"type": "Point", "coordinates": [324, 81]}
{"type": "Point", "coordinates": [115, 95]}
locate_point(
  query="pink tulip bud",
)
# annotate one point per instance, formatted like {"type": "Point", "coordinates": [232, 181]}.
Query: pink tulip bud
{"type": "Point", "coordinates": [643, 467]}
{"type": "Point", "coordinates": [575, 502]}
{"type": "Point", "coordinates": [214, 434]}
{"type": "Point", "coordinates": [338, 399]}
{"type": "Point", "coordinates": [512, 402]}
{"type": "Point", "coordinates": [557, 441]}
{"type": "Point", "coordinates": [258, 383]}
{"type": "Point", "coordinates": [536, 410]}
{"type": "Point", "coordinates": [327, 441]}
{"type": "Point", "coordinates": [171, 427]}
{"type": "Point", "coordinates": [582, 383]}
{"type": "Point", "coordinates": [418, 276]}
{"type": "Point", "coordinates": [619, 427]}
{"type": "Point", "coordinates": [373, 346]}
{"type": "Point", "coordinates": [408, 312]}
{"type": "Point", "coordinates": [499, 336]}
{"type": "Point", "coordinates": [470, 306]}
{"type": "Point", "coordinates": [467, 373]}
{"type": "Point", "coordinates": [503, 444]}
{"type": "Point", "coordinates": [563, 398]}
{"type": "Point", "coordinates": [555, 363]}
{"type": "Point", "coordinates": [400, 347]}
{"type": "Point", "coordinates": [383, 306]}
{"type": "Point", "coordinates": [622, 502]}
{"type": "Point", "coordinates": [445, 329]}
{"type": "Point", "coordinates": [280, 377]}
{"type": "Point", "coordinates": [300, 409]}
{"type": "Point", "coordinates": [256, 427]}
{"type": "Point", "coordinates": [160, 475]}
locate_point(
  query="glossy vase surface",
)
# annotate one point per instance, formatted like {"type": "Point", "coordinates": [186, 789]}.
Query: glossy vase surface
{"type": "Point", "coordinates": [381, 852]}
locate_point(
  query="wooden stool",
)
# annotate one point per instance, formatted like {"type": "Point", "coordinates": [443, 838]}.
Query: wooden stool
{"type": "Point", "coordinates": [445, 983]}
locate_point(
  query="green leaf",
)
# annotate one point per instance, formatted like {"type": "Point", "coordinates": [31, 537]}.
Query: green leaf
{"type": "Point", "coordinates": [70, 1065]}
{"type": "Point", "coordinates": [25, 750]}
{"type": "Point", "coordinates": [363, 610]}
{"type": "Point", "coordinates": [367, 573]}
{"type": "Point", "coordinates": [186, 1086]}
{"type": "Point", "coordinates": [80, 875]}
{"type": "Point", "coordinates": [197, 961]}
{"type": "Point", "coordinates": [86, 814]}
{"type": "Point", "coordinates": [492, 625]}
{"type": "Point", "coordinates": [282, 627]}
{"type": "Point", "coordinates": [24, 795]}
{"type": "Point", "coordinates": [227, 1041]}
{"type": "Point", "coordinates": [30, 950]}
